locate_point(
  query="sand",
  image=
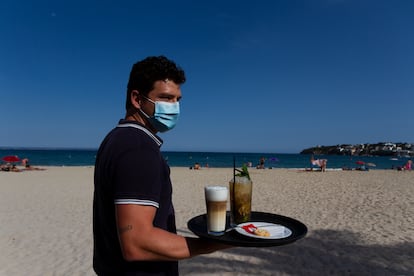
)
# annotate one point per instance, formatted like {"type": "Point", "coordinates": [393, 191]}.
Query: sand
{"type": "Point", "coordinates": [360, 223]}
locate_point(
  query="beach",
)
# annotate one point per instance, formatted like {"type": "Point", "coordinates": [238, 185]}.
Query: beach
{"type": "Point", "coordinates": [359, 223]}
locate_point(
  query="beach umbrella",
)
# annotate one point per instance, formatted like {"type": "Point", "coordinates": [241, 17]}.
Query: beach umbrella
{"type": "Point", "coordinates": [273, 161]}
{"type": "Point", "coordinates": [359, 162]}
{"type": "Point", "coordinates": [11, 158]}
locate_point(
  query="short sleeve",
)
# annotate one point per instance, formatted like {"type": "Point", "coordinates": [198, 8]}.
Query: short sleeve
{"type": "Point", "coordinates": [138, 176]}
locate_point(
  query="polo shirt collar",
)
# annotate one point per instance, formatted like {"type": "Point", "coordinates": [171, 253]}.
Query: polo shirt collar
{"type": "Point", "coordinates": [134, 124]}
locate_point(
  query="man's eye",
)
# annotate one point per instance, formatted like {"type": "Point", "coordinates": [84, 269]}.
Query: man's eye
{"type": "Point", "coordinates": [167, 98]}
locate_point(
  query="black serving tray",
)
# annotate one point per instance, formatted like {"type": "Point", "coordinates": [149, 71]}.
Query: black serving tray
{"type": "Point", "coordinates": [198, 225]}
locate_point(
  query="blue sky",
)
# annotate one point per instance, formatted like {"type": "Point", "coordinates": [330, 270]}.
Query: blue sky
{"type": "Point", "coordinates": [262, 76]}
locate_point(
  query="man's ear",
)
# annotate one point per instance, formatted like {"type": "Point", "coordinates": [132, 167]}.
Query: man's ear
{"type": "Point", "coordinates": [135, 99]}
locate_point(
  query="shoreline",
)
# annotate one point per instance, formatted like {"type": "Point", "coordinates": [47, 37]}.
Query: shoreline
{"type": "Point", "coordinates": [45, 167]}
{"type": "Point", "coordinates": [358, 223]}
{"type": "Point", "coordinates": [213, 160]}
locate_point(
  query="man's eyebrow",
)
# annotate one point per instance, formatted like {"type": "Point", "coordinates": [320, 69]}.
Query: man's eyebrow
{"type": "Point", "coordinates": [168, 95]}
{"type": "Point", "coordinates": [165, 94]}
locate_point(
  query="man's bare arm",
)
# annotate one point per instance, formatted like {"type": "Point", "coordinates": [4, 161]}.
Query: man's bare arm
{"type": "Point", "coordinates": [140, 240]}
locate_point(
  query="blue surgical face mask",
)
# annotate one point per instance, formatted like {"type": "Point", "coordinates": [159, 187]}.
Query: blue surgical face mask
{"type": "Point", "coordinates": [165, 115]}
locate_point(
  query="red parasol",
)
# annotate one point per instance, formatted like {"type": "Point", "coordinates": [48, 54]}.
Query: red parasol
{"type": "Point", "coordinates": [11, 158]}
{"type": "Point", "coordinates": [360, 162]}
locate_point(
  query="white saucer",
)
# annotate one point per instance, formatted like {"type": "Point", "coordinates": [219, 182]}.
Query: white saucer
{"type": "Point", "coordinates": [276, 231]}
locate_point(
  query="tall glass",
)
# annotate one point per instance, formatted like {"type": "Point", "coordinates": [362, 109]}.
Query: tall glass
{"type": "Point", "coordinates": [240, 199]}
{"type": "Point", "coordinates": [216, 204]}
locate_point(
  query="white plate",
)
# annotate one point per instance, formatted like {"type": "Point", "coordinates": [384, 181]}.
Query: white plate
{"type": "Point", "coordinates": [276, 231]}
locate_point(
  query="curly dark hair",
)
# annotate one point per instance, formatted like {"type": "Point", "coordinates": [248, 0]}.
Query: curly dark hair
{"type": "Point", "coordinates": [146, 72]}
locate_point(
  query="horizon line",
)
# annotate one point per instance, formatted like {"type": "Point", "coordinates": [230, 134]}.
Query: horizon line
{"type": "Point", "coordinates": [95, 149]}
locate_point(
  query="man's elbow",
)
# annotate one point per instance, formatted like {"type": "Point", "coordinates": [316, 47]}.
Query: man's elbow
{"type": "Point", "coordinates": [133, 254]}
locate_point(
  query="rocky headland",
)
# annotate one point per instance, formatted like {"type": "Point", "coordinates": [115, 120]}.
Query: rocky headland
{"type": "Point", "coordinates": [378, 149]}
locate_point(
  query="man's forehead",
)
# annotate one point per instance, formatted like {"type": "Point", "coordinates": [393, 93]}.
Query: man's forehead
{"type": "Point", "coordinates": [164, 84]}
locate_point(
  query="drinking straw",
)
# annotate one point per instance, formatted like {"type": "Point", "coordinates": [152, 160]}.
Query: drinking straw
{"type": "Point", "coordinates": [234, 169]}
{"type": "Point", "coordinates": [234, 188]}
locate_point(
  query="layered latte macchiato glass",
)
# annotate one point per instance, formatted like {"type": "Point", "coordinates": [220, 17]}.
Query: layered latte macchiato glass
{"type": "Point", "coordinates": [216, 204]}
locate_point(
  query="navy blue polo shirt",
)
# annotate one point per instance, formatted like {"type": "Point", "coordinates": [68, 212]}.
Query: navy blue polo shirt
{"type": "Point", "coordinates": [129, 169]}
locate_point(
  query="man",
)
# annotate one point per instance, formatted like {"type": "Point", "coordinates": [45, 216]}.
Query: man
{"type": "Point", "coordinates": [133, 216]}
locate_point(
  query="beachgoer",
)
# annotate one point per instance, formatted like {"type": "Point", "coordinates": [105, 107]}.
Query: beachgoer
{"type": "Point", "coordinates": [197, 166]}
{"type": "Point", "coordinates": [363, 167]}
{"type": "Point", "coordinates": [28, 167]}
{"type": "Point", "coordinates": [408, 165]}
{"type": "Point", "coordinates": [8, 167]}
{"type": "Point", "coordinates": [261, 163]}
{"type": "Point", "coordinates": [15, 169]}
{"type": "Point", "coordinates": [133, 216]}
{"type": "Point", "coordinates": [5, 167]}
{"type": "Point", "coordinates": [25, 163]}
{"type": "Point", "coordinates": [321, 163]}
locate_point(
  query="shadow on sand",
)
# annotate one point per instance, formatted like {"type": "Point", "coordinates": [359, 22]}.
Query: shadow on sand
{"type": "Point", "coordinates": [321, 252]}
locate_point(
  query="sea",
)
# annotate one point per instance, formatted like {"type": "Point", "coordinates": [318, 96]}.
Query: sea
{"type": "Point", "coordinates": [86, 157]}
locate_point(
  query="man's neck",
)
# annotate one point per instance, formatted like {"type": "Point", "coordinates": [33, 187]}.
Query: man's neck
{"type": "Point", "coordinates": [137, 116]}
